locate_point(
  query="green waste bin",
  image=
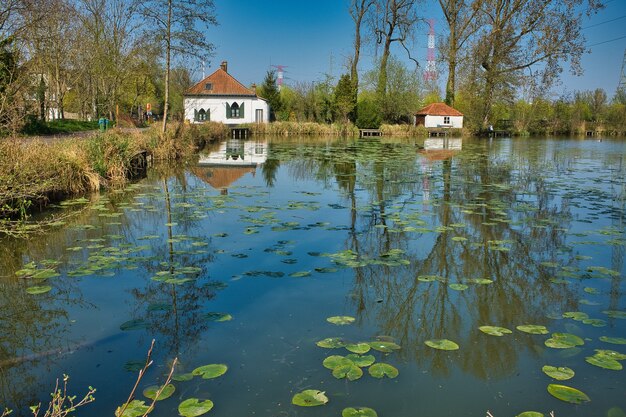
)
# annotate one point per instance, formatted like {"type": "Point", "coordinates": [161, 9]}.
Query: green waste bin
{"type": "Point", "coordinates": [102, 124]}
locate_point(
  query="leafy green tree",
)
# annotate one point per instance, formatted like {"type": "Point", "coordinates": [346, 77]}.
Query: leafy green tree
{"type": "Point", "coordinates": [368, 112]}
{"type": "Point", "coordinates": [344, 98]}
{"type": "Point", "coordinates": [269, 91]}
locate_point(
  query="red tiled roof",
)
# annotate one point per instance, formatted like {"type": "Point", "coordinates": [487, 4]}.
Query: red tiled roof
{"type": "Point", "coordinates": [438, 109]}
{"type": "Point", "coordinates": [223, 84]}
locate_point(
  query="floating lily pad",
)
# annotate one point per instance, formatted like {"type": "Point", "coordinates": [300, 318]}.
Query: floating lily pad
{"type": "Point", "coordinates": [136, 324]}
{"type": "Point", "coordinates": [458, 287]}
{"type": "Point", "coordinates": [480, 281]}
{"type": "Point", "coordinates": [361, 361]}
{"type": "Point", "coordinates": [193, 407]}
{"type": "Point", "coordinates": [335, 361]}
{"type": "Point", "coordinates": [218, 317]}
{"type": "Point", "coordinates": [604, 362]}
{"type": "Point", "coordinates": [210, 371]}
{"type": "Point", "coordinates": [568, 394]}
{"type": "Point", "coordinates": [613, 340]}
{"type": "Point", "coordinates": [615, 314]}
{"type": "Point", "coordinates": [595, 322]}
{"type": "Point", "coordinates": [495, 330]}
{"type": "Point", "coordinates": [442, 344]}
{"type": "Point", "coordinates": [358, 347]}
{"type": "Point", "coordinates": [309, 398]}
{"type": "Point", "coordinates": [331, 343]}
{"type": "Point", "coordinates": [349, 371]}
{"type": "Point", "coordinates": [135, 408]}
{"type": "Point", "coordinates": [530, 414]}
{"type": "Point", "coordinates": [384, 346]}
{"type": "Point", "coordinates": [182, 377]}
{"type": "Point", "coordinates": [564, 341]}
{"type": "Point", "coordinates": [300, 274]}
{"type": "Point", "coordinates": [38, 289]}
{"type": "Point", "coordinates": [358, 412]}
{"type": "Point", "coordinates": [533, 329]}
{"type": "Point", "coordinates": [611, 354]}
{"type": "Point", "coordinates": [379, 370]}
{"type": "Point", "coordinates": [151, 392]}
{"type": "Point", "coordinates": [341, 320]}
{"type": "Point", "coordinates": [561, 373]}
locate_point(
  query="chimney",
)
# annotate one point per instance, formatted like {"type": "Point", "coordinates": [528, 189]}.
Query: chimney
{"type": "Point", "coordinates": [253, 88]}
{"type": "Point", "coordinates": [224, 66]}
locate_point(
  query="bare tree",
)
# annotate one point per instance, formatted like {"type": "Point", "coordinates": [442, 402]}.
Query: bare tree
{"type": "Point", "coordinates": [177, 27]}
{"type": "Point", "coordinates": [520, 34]}
{"type": "Point", "coordinates": [462, 20]}
{"type": "Point", "coordinates": [358, 11]}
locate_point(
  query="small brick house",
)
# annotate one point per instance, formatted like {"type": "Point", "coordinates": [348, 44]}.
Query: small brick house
{"type": "Point", "coordinates": [438, 115]}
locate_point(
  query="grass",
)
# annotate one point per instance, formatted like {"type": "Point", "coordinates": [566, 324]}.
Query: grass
{"type": "Point", "coordinates": [56, 127]}
{"type": "Point", "coordinates": [36, 173]}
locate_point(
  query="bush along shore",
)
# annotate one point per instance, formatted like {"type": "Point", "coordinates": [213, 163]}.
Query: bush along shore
{"type": "Point", "coordinates": [36, 173]}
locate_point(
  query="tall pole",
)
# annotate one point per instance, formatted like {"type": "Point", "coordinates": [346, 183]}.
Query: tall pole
{"type": "Point", "coordinates": [431, 66]}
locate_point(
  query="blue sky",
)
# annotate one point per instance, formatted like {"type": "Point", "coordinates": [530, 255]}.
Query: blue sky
{"type": "Point", "coordinates": [314, 37]}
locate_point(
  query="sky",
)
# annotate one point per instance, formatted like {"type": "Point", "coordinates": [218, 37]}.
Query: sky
{"type": "Point", "coordinates": [312, 38]}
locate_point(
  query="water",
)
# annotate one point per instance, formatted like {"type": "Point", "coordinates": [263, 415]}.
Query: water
{"type": "Point", "coordinates": [281, 235]}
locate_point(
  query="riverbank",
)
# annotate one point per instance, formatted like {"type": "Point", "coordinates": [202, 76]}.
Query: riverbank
{"type": "Point", "coordinates": [34, 173]}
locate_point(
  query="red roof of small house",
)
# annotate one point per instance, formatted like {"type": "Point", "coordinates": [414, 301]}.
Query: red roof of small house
{"type": "Point", "coordinates": [221, 83]}
{"type": "Point", "coordinates": [438, 109]}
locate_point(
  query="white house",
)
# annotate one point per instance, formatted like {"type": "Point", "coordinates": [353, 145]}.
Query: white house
{"type": "Point", "coordinates": [221, 98]}
{"type": "Point", "coordinates": [439, 115]}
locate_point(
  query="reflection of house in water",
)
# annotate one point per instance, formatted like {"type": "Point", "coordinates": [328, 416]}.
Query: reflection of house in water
{"type": "Point", "coordinates": [436, 149]}
{"type": "Point", "coordinates": [229, 162]}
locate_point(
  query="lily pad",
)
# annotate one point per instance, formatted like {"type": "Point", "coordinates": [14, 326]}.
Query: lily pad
{"type": "Point", "coordinates": [300, 274]}
{"type": "Point", "coordinates": [358, 412]}
{"type": "Point", "coordinates": [309, 398]}
{"type": "Point", "coordinates": [604, 362]}
{"type": "Point", "coordinates": [458, 287]}
{"type": "Point", "coordinates": [38, 289]}
{"type": "Point", "coordinates": [533, 329]}
{"type": "Point", "coordinates": [530, 414]}
{"type": "Point", "coordinates": [361, 361]}
{"type": "Point", "coordinates": [193, 407]}
{"type": "Point", "coordinates": [613, 340]}
{"type": "Point", "coordinates": [358, 347]}
{"type": "Point", "coordinates": [568, 394]}
{"type": "Point", "coordinates": [615, 314]}
{"type": "Point", "coordinates": [151, 392]}
{"type": "Point", "coordinates": [379, 370]}
{"type": "Point", "coordinates": [350, 371]}
{"type": "Point", "coordinates": [182, 377]}
{"type": "Point", "coordinates": [136, 324]}
{"type": "Point", "coordinates": [495, 330]}
{"type": "Point", "coordinates": [210, 371]}
{"type": "Point", "coordinates": [442, 344]}
{"type": "Point", "coordinates": [331, 343]}
{"type": "Point", "coordinates": [384, 346]}
{"type": "Point", "coordinates": [564, 341]}
{"type": "Point", "coordinates": [561, 373]}
{"type": "Point", "coordinates": [135, 408]}
{"type": "Point", "coordinates": [335, 361]}
{"type": "Point", "coordinates": [341, 320]}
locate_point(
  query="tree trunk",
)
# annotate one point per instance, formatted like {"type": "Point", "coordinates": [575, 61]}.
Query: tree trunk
{"type": "Point", "coordinates": [451, 83]}
{"type": "Point", "coordinates": [168, 47]}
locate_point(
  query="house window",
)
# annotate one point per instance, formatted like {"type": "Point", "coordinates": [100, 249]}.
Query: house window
{"type": "Point", "coordinates": [446, 120]}
{"type": "Point", "coordinates": [208, 86]}
{"type": "Point", "coordinates": [234, 111]}
{"type": "Point", "coordinates": [201, 115]}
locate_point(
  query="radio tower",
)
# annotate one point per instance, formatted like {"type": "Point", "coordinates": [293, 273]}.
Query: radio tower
{"type": "Point", "coordinates": [621, 87]}
{"type": "Point", "coordinates": [431, 68]}
{"type": "Point", "coordinates": [281, 75]}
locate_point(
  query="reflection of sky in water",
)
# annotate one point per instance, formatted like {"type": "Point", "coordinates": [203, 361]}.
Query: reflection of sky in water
{"type": "Point", "coordinates": [537, 217]}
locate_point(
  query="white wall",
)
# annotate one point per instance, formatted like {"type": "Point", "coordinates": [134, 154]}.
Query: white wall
{"type": "Point", "coordinates": [437, 121]}
{"type": "Point", "coordinates": [217, 107]}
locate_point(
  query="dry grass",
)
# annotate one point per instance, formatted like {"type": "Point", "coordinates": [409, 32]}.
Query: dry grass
{"type": "Point", "coordinates": [303, 129]}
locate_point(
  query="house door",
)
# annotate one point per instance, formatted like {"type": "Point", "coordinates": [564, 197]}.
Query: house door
{"type": "Point", "coordinates": [258, 116]}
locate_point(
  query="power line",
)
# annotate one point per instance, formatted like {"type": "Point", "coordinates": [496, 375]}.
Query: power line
{"type": "Point", "coordinates": [602, 23]}
{"type": "Point", "coordinates": [610, 40]}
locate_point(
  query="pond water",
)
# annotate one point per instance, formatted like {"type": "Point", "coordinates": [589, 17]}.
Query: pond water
{"type": "Point", "coordinates": [242, 258]}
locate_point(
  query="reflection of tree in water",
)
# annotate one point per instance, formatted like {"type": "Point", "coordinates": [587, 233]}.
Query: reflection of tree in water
{"type": "Point", "coordinates": [480, 192]}
{"type": "Point", "coordinates": [173, 311]}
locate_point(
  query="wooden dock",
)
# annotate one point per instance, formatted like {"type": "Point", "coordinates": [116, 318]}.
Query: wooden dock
{"type": "Point", "coordinates": [239, 132]}
{"type": "Point", "coordinates": [366, 133]}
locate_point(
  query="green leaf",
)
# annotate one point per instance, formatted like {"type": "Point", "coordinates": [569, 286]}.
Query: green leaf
{"type": "Point", "coordinates": [495, 330]}
{"type": "Point", "coordinates": [530, 414]}
{"type": "Point", "coordinates": [458, 287]}
{"type": "Point", "coordinates": [560, 373]}
{"type": "Point", "coordinates": [379, 370]}
{"type": "Point", "coordinates": [568, 394]}
{"type": "Point", "coordinates": [300, 274]}
{"type": "Point", "coordinates": [38, 289]}
{"type": "Point", "coordinates": [613, 340]}
{"type": "Point", "coordinates": [341, 320]}
{"type": "Point", "coordinates": [335, 361]}
{"type": "Point", "coordinates": [182, 377]}
{"type": "Point", "coordinates": [193, 407]}
{"type": "Point", "coordinates": [151, 392]}
{"type": "Point", "coordinates": [135, 408]}
{"type": "Point", "coordinates": [309, 398]}
{"type": "Point", "coordinates": [350, 371]}
{"type": "Point", "coordinates": [136, 324]}
{"type": "Point", "coordinates": [358, 347]}
{"type": "Point", "coordinates": [604, 362]}
{"type": "Point", "coordinates": [576, 315]}
{"type": "Point", "coordinates": [210, 371]}
{"type": "Point", "coordinates": [533, 329]}
{"type": "Point", "coordinates": [358, 412]}
{"type": "Point", "coordinates": [384, 346]}
{"type": "Point", "coordinates": [442, 344]}
{"type": "Point", "coordinates": [331, 343]}
{"type": "Point", "coordinates": [564, 341]}
{"type": "Point", "coordinates": [361, 361]}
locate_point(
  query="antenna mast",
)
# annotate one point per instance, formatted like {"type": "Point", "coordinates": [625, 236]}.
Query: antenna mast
{"type": "Point", "coordinates": [281, 75]}
{"type": "Point", "coordinates": [621, 87]}
{"type": "Point", "coordinates": [431, 67]}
